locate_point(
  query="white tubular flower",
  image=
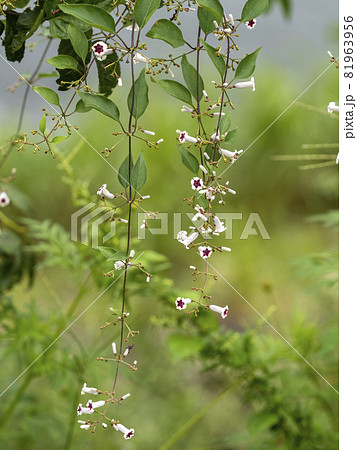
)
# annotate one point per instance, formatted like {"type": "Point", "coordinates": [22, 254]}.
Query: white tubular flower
{"type": "Point", "coordinates": [181, 303]}
{"type": "Point", "coordinates": [186, 240]}
{"type": "Point", "coordinates": [85, 426]}
{"type": "Point", "coordinates": [4, 199]}
{"type": "Point", "coordinates": [218, 309]}
{"type": "Point", "coordinates": [231, 19]}
{"type": "Point", "coordinates": [251, 24]}
{"type": "Point", "coordinates": [184, 137]}
{"type": "Point", "coordinates": [138, 57]}
{"type": "Point", "coordinates": [203, 168]}
{"type": "Point", "coordinates": [103, 192]}
{"type": "Point", "coordinates": [181, 236]}
{"type": "Point", "coordinates": [130, 27]}
{"type": "Point", "coordinates": [120, 82]}
{"type": "Point", "coordinates": [231, 191]}
{"type": "Point", "coordinates": [104, 425]}
{"type": "Point", "coordinates": [118, 265]}
{"type": "Point", "coordinates": [199, 216]}
{"type": "Point", "coordinates": [94, 405]}
{"type": "Point", "coordinates": [205, 251]}
{"type": "Point", "coordinates": [152, 133]}
{"type": "Point", "coordinates": [332, 107]}
{"type": "Point", "coordinates": [127, 433]}
{"type": "Point", "coordinates": [186, 109]}
{"type": "Point", "coordinates": [125, 396]}
{"type": "Point", "coordinates": [228, 154]}
{"type": "Point", "coordinates": [131, 254]}
{"type": "Point", "coordinates": [219, 226]}
{"type": "Point", "coordinates": [197, 183]}
{"type": "Point", "coordinates": [226, 249]}
{"type": "Point", "coordinates": [159, 141]}
{"type": "Point", "coordinates": [89, 390]}
{"type": "Point", "coordinates": [101, 50]}
{"type": "Point", "coordinates": [338, 158]}
{"type": "Point", "coordinates": [205, 93]}
{"type": "Point", "coordinates": [193, 267]}
{"type": "Point", "coordinates": [206, 155]}
{"type": "Point", "coordinates": [145, 197]}
{"type": "Point", "coordinates": [148, 279]}
{"type": "Point", "coordinates": [171, 73]}
{"type": "Point", "coordinates": [246, 84]}
{"type": "Point", "coordinates": [83, 410]}
{"type": "Point", "coordinates": [114, 347]}
{"type": "Point", "coordinates": [216, 136]}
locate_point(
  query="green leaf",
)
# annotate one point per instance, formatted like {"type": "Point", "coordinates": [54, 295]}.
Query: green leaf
{"type": "Point", "coordinates": [58, 139]}
{"type": "Point", "coordinates": [78, 40]}
{"type": "Point", "coordinates": [189, 160]}
{"type": "Point", "coordinates": [253, 9]}
{"type": "Point", "coordinates": [175, 89]}
{"type": "Point", "coordinates": [247, 65]}
{"type": "Point", "coordinates": [190, 77]}
{"type": "Point", "coordinates": [117, 256]}
{"type": "Point", "coordinates": [101, 104]}
{"type": "Point", "coordinates": [58, 26]}
{"type": "Point", "coordinates": [205, 19]}
{"type": "Point", "coordinates": [11, 31]}
{"type": "Point", "coordinates": [181, 346]}
{"type": "Point", "coordinates": [214, 155]}
{"type": "Point", "coordinates": [215, 57]}
{"type": "Point", "coordinates": [141, 98]}
{"type": "Point", "coordinates": [225, 123]}
{"type": "Point", "coordinates": [261, 421]}
{"type": "Point", "coordinates": [80, 108]}
{"type": "Point", "coordinates": [144, 9]}
{"type": "Point", "coordinates": [203, 202]}
{"type": "Point", "coordinates": [212, 6]}
{"type": "Point", "coordinates": [140, 173]}
{"type": "Point", "coordinates": [48, 94]}
{"type": "Point", "coordinates": [123, 172]}
{"type": "Point", "coordinates": [92, 15]}
{"type": "Point", "coordinates": [42, 124]}
{"type": "Point", "coordinates": [108, 252]}
{"type": "Point", "coordinates": [108, 73]}
{"type": "Point", "coordinates": [63, 62]}
{"type": "Point", "coordinates": [232, 137]}
{"type": "Point", "coordinates": [166, 31]}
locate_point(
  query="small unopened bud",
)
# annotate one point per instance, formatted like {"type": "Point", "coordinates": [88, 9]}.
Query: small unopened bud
{"type": "Point", "coordinates": [204, 170]}
{"type": "Point", "coordinates": [114, 347]}
{"type": "Point", "coordinates": [159, 141]}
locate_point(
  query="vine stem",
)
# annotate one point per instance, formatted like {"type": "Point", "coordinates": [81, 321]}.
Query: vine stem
{"type": "Point", "coordinates": [24, 100]}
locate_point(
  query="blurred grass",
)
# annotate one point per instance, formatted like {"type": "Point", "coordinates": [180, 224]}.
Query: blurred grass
{"type": "Point", "coordinates": [166, 395]}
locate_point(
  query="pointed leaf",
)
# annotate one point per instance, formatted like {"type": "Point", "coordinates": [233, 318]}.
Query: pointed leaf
{"type": "Point", "coordinates": [231, 138]}
{"type": "Point", "coordinates": [247, 66]}
{"type": "Point", "coordinates": [118, 256]}
{"type": "Point", "coordinates": [225, 124]}
{"type": "Point", "coordinates": [144, 9]}
{"type": "Point", "coordinates": [101, 104]}
{"type": "Point", "coordinates": [58, 139]}
{"type": "Point", "coordinates": [166, 31]}
{"type": "Point", "coordinates": [205, 19]}
{"type": "Point", "coordinates": [189, 160]}
{"type": "Point", "coordinates": [42, 124]}
{"type": "Point", "coordinates": [107, 251]}
{"type": "Point", "coordinates": [48, 94]}
{"type": "Point", "coordinates": [63, 62]}
{"type": "Point", "coordinates": [175, 89]}
{"type": "Point", "coordinates": [190, 77]}
{"type": "Point", "coordinates": [253, 9]}
{"type": "Point", "coordinates": [80, 108]}
{"type": "Point", "coordinates": [212, 6]}
{"type": "Point", "coordinates": [123, 172]}
{"type": "Point", "coordinates": [215, 57]}
{"type": "Point", "coordinates": [108, 73]}
{"type": "Point", "coordinates": [92, 15]}
{"type": "Point", "coordinates": [140, 173]}
{"type": "Point", "coordinates": [141, 98]}
{"type": "Point", "coordinates": [78, 40]}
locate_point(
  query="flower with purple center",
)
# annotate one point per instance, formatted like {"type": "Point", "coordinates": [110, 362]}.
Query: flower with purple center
{"type": "Point", "coordinates": [128, 433]}
{"type": "Point", "coordinates": [197, 184]}
{"type": "Point", "coordinates": [83, 410]}
{"type": "Point", "coordinates": [181, 303]}
{"type": "Point", "coordinates": [4, 199]}
{"type": "Point", "coordinates": [185, 137]}
{"type": "Point", "coordinates": [103, 192]}
{"type": "Point", "coordinates": [205, 251]}
{"type": "Point", "coordinates": [94, 405]}
{"type": "Point", "coordinates": [218, 309]}
{"type": "Point", "coordinates": [251, 23]}
{"type": "Point", "coordinates": [101, 50]}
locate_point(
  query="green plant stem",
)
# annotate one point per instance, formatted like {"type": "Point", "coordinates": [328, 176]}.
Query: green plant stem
{"type": "Point", "coordinates": [195, 418]}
